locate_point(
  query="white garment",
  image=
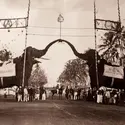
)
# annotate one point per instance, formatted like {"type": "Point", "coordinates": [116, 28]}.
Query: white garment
{"type": "Point", "coordinates": [107, 94]}
{"type": "Point", "coordinates": [37, 96]}
{"type": "Point", "coordinates": [44, 96]}
{"type": "Point", "coordinates": [114, 98]}
{"type": "Point", "coordinates": [25, 91]}
{"type": "Point", "coordinates": [75, 95]}
{"type": "Point", "coordinates": [26, 98]}
{"type": "Point", "coordinates": [25, 95]}
{"type": "Point", "coordinates": [57, 91]}
{"type": "Point", "coordinates": [19, 98]}
{"type": "Point", "coordinates": [99, 98]}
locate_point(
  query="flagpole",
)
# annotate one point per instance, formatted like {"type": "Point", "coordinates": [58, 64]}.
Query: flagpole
{"type": "Point", "coordinates": [2, 81]}
{"type": "Point", "coordinates": [24, 64]}
{"type": "Point", "coordinates": [60, 30]}
{"type": "Point", "coordinates": [119, 19]}
{"type": "Point", "coordinates": [119, 15]}
{"type": "Point", "coordinates": [96, 58]}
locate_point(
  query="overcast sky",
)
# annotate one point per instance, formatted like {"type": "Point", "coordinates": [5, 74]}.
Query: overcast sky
{"type": "Point", "coordinates": [44, 13]}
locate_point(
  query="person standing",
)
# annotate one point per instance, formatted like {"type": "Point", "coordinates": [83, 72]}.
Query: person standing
{"type": "Point", "coordinates": [30, 91]}
{"type": "Point", "coordinates": [67, 93]}
{"type": "Point", "coordinates": [44, 95]}
{"type": "Point", "coordinates": [25, 94]}
{"type": "Point", "coordinates": [99, 96]}
{"type": "Point", "coordinates": [20, 93]}
{"type": "Point", "coordinates": [41, 92]}
{"type": "Point", "coordinates": [72, 93]}
{"type": "Point", "coordinates": [107, 95]}
{"type": "Point", "coordinates": [16, 94]}
{"type": "Point", "coordinates": [75, 94]}
{"type": "Point", "coordinates": [78, 93]}
{"type": "Point", "coordinates": [37, 94]}
{"type": "Point", "coordinates": [122, 96]}
{"type": "Point", "coordinates": [60, 92]}
{"type": "Point", "coordinates": [5, 93]}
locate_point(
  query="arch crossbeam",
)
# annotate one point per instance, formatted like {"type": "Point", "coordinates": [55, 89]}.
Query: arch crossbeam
{"type": "Point", "coordinates": [9, 23]}
{"type": "Point", "coordinates": [101, 24]}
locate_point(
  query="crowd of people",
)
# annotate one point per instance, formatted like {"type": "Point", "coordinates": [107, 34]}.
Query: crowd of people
{"type": "Point", "coordinates": [69, 92]}
{"type": "Point", "coordinates": [103, 95]}
{"type": "Point", "coordinates": [73, 93]}
{"type": "Point", "coordinates": [29, 94]}
{"type": "Point", "coordinates": [110, 96]}
{"type": "Point", "coordinates": [106, 96]}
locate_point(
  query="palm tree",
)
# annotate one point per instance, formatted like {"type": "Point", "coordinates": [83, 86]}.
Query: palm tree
{"type": "Point", "coordinates": [113, 46]}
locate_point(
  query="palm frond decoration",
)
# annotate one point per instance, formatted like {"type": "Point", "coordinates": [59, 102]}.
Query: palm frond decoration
{"type": "Point", "coordinates": [113, 46]}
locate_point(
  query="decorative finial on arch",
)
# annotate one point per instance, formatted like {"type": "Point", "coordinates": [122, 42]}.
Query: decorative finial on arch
{"type": "Point", "coordinates": [60, 19]}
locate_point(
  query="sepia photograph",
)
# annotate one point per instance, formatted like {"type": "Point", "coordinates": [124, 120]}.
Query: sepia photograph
{"type": "Point", "coordinates": [62, 62]}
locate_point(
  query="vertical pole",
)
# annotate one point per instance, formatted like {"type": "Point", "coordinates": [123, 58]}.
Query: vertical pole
{"type": "Point", "coordinates": [60, 20]}
{"type": "Point", "coordinates": [119, 28]}
{"type": "Point", "coordinates": [96, 58]}
{"type": "Point", "coordinates": [112, 82]}
{"type": "Point", "coordinates": [2, 81]}
{"type": "Point", "coordinates": [119, 15]}
{"type": "Point", "coordinates": [60, 30]}
{"type": "Point", "coordinates": [24, 64]}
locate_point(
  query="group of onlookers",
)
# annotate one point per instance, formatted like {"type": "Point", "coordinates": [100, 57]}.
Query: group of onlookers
{"type": "Point", "coordinates": [106, 96]}
{"type": "Point", "coordinates": [29, 94]}
{"type": "Point", "coordinates": [110, 96]}
{"type": "Point", "coordinates": [72, 93]}
{"type": "Point", "coordinates": [69, 92]}
{"type": "Point", "coordinates": [102, 95]}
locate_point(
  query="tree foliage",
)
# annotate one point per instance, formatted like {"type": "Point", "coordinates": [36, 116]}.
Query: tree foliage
{"type": "Point", "coordinates": [113, 46]}
{"type": "Point", "coordinates": [113, 53]}
{"type": "Point", "coordinates": [5, 55]}
{"type": "Point", "coordinates": [75, 72]}
{"type": "Point", "coordinates": [38, 77]}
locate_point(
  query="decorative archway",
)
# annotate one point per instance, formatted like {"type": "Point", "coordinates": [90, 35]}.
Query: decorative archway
{"type": "Point", "coordinates": [90, 59]}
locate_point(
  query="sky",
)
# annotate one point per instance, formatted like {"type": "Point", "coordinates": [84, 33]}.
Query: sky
{"type": "Point", "coordinates": [43, 16]}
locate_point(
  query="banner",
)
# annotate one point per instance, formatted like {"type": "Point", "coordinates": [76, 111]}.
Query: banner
{"type": "Point", "coordinates": [7, 70]}
{"type": "Point", "coordinates": [113, 71]}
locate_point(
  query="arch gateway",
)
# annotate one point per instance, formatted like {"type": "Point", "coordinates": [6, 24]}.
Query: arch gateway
{"type": "Point", "coordinates": [32, 53]}
{"type": "Point", "coordinates": [25, 62]}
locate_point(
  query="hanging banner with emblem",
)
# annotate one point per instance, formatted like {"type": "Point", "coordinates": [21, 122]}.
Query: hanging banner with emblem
{"type": "Point", "coordinates": [113, 71]}
{"type": "Point", "coordinates": [7, 70]}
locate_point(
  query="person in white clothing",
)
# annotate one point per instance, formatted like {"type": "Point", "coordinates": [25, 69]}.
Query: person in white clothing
{"type": "Point", "coordinates": [107, 95]}
{"type": "Point", "coordinates": [99, 96]}
{"type": "Point", "coordinates": [44, 95]}
{"type": "Point", "coordinates": [25, 94]}
{"type": "Point", "coordinates": [75, 94]}
{"type": "Point", "coordinates": [37, 94]}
